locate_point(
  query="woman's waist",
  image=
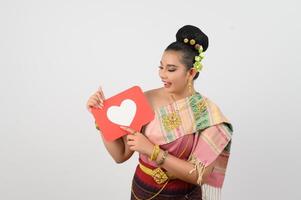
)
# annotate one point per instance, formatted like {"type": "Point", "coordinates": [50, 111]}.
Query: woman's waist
{"type": "Point", "coordinates": [155, 177]}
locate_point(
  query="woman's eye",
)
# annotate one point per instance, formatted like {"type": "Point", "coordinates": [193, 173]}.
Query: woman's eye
{"type": "Point", "coordinates": [170, 70]}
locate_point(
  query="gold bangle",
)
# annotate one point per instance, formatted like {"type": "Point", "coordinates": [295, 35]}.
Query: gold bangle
{"type": "Point", "coordinates": [96, 126]}
{"type": "Point", "coordinates": [165, 153]}
{"type": "Point", "coordinates": [155, 153]}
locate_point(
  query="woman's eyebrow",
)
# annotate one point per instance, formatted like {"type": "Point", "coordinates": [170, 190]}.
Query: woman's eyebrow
{"type": "Point", "coordinates": [169, 65]}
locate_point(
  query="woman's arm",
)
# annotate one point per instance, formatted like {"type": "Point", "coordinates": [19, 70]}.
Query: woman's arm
{"type": "Point", "coordinates": [181, 168]}
{"type": "Point", "coordinates": [190, 171]}
{"type": "Point", "coordinates": [127, 151]}
{"type": "Point", "coordinates": [117, 149]}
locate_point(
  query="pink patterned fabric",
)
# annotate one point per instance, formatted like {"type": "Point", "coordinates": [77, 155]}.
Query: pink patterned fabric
{"type": "Point", "coordinates": [197, 122]}
{"type": "Point", "coordinates": [194, 146]}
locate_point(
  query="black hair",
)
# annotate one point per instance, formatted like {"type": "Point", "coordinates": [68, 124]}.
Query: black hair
{"type": "Point", "coordinates": [188, 51]}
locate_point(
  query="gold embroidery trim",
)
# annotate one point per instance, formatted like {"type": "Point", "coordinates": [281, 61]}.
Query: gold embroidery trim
{"type": "Point", "coordinates": [159, 176]}
{"type": "Point", "coordinates": [171, 121]}
{"type": "Point", "coordinates": [202, 106]}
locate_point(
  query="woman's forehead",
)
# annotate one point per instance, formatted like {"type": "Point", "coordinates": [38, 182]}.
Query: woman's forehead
{"type": "Point", "coordinates": [171, 58]}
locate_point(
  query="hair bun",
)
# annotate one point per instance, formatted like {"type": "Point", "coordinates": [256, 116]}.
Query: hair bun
{"type": "Point", "coordinates": [193, 32]}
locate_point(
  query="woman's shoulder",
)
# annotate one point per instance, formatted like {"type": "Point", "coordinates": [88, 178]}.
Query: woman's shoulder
{"type": "Point", "coordinates": [156, 97]}
{"type": "Point", "coordinates": [153, 93]}
{"type": "Point", "coordinates": [153, 97]}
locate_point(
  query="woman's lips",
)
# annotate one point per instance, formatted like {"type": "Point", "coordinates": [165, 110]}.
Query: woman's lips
{"type": "Point", "coordinates": [167, 84]}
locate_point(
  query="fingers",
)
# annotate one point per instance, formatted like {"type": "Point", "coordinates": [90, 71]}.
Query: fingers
{"type": "Point", "coordinates": [99, 101]}
{"type": "Point", "coordinates": [96, 100]}
{"type": "Point", "coordinates": [101, 92]}
{"type": "Point", "coordinates": [130, 143]}
{"type": "Point", "coordinates": [130, 137]}
{"type": "Point", "coordinates": [99, 98]}
{"type": "Point", "coordinates": [131, 140]}
{"type": "Point", "coordinates": [90, 104]}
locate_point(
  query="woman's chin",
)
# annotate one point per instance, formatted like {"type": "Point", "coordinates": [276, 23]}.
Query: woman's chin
{"type": "Point", "coordinates": [168, 90]}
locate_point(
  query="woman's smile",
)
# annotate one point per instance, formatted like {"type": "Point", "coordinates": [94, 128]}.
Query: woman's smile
{"type": "Point", "coordinates": [167, 84]}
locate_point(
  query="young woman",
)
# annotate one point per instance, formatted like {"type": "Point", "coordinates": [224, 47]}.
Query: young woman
{"type": "Point", "coordinates": [184, 151]}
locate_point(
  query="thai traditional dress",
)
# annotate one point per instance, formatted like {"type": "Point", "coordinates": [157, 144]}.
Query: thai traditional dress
{"type": "Point", "coordinates": [193, 129]}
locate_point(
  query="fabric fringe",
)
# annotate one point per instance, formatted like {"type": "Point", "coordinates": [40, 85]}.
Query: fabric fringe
{"type": "Point", "coordinates": [198, 166]}
{"type": "Point", "coordinates": [208, 192]}
{"type": "Point", "coordinates": [211, 193]}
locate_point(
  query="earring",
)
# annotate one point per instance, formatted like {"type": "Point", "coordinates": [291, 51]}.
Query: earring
{"type": "Point", "coordinates": [190, 87]}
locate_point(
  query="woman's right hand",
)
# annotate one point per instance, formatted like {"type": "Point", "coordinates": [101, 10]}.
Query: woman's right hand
{"type": "Point", "coordinates": [96, 100]}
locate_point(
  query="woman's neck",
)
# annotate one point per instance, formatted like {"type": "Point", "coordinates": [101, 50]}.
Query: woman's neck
{"type": "Point", "coordinates": [180, 95]}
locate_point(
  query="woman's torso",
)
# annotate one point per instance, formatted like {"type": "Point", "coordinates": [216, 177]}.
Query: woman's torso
{"type": "Point", "coordinates": [180, 148]}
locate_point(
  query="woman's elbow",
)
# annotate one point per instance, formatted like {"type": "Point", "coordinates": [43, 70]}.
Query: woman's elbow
{"type": "Point", "coordinates": [119, 160]}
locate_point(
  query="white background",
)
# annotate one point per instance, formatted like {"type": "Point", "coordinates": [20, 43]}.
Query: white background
{"type": "Point", "coordinates": [55, 54]}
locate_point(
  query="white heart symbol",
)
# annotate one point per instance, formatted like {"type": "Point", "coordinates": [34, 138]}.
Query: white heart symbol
{"type": "Point", "coordinates": [123, 114]}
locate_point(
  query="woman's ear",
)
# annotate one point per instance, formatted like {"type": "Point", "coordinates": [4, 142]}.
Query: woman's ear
{"type": "Point", "coordinates": [192, 72]}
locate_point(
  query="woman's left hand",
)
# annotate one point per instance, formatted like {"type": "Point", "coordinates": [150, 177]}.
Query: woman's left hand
{"type": "Point", "coordinates": [138, 142]}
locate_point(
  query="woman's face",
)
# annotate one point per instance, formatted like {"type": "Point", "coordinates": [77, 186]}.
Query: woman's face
{"type": "Point", "coordinates": [173, 73]}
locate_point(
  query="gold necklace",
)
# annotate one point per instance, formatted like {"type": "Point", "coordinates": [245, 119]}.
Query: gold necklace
{"type": "Point", "coordinates": [173, 120]}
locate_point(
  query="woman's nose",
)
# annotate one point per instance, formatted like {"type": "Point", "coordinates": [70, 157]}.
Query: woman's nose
{"type": "Point", "coordinates": [162, 76]}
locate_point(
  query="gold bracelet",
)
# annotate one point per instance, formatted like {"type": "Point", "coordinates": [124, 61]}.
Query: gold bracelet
{"type": "Point", "coordinates": [96, 126]}
{"type": "Point", "coordinates": [155, 153]}
{"type": "Point", "coordinates": [165, 153]}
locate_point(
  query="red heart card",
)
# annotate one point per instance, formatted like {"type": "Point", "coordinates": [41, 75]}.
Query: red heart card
{"type": "Point", "coordinates": [128, 108]}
